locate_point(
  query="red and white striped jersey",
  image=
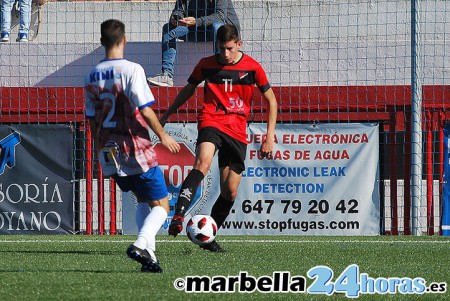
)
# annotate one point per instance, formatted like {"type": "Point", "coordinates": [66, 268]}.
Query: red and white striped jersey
{"type": "Point", "coordinates": [115, 91]}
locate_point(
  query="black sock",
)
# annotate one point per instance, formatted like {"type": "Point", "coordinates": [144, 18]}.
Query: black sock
{"type": "Point", "coordinates": [220, 210]}
{"type": "Point", "coordinates": [188, 191]}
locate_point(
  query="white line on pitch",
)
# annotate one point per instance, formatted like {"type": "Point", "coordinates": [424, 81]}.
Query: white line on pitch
{"type": "Point", "coordinates": [233, 241]}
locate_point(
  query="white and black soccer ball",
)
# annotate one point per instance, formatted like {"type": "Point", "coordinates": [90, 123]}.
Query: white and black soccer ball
{"type": "Point", "coordinates": [201, 229]}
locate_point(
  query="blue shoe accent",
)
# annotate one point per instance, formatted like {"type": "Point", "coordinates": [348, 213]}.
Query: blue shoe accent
{"type": "Point", "coordinates": [23, 37]}
{"type": "Point", "coordinates": [144, 258]}
{"type": "Point", "coordinates": [152, 267]}
{"type": "Point", "coordinates": [4, 36]}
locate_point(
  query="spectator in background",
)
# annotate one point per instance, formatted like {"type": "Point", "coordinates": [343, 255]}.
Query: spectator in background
{"type": "Point", "coordinates": [25, 19]}
{"type": "Point", "coordinates": [118, 102]}
{"type": "Point", "coordinates": [192, 20]}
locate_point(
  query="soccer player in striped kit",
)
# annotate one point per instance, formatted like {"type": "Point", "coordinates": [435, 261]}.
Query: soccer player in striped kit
{"type": "Point", "coordinates": [230, 78]}
{"type": "Point", "coordinates": [118, 105]}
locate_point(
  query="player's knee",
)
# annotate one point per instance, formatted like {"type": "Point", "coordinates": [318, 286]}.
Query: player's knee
{"type": "Point", "coordinates": [202, 166]}
{"type": "Point", "coordinates": [164, 203]}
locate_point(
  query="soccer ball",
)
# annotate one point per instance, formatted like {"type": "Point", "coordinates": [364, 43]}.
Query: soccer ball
{"type": "Point", "coordinates": [201, 229]}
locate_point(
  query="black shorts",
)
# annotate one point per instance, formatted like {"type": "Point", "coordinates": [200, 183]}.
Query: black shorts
{"type": "Point", "coordinates": [231, 152]}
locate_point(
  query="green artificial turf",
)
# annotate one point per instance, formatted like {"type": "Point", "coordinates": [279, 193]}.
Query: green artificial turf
{"type": "Point", "coordinates": [96, 268]}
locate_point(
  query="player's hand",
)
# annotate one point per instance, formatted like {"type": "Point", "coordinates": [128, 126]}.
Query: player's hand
{"type": "Point", "coordinates": [176, 225]}
{"type": "Point", "coordinates": [267, 147]}
{"type": "Point", "coordinates": [170, 143]}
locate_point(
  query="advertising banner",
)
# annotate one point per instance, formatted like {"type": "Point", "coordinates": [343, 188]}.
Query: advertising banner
{"type": "Point", "coordinates": [36, 195]}
{"type": "Point", "coordinates": [446, 185]}
{"type": "Point", "coordinates": [321, 180]}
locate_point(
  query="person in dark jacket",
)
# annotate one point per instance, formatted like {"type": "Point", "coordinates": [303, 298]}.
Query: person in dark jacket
{"type": "Point", "coordinates": [191, 20]}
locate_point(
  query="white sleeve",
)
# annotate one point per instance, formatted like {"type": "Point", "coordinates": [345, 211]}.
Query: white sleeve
{"type": "Point", "coordinates": [141, 95]}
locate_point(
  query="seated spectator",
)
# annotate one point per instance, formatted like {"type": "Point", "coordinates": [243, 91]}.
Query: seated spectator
{"type": "Point", "coordinates": [191, 20]}
{"type": "Point", "coordinates": [25, 19]}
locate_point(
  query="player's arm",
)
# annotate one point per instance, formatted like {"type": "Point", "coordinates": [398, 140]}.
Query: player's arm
{"type": "Point", "coordinates": [181, 98]}
{"type": "Point", "coordinates": [268, 144]}
{"type": "Point", "coordinates": [150, 117]}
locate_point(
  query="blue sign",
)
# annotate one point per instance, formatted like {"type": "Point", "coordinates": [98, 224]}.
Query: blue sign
{"type": "Point", "coordinates": [446, 186]}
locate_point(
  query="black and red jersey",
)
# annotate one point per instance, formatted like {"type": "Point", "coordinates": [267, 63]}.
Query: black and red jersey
{"type": "Point", "coordinates": [228, 93]}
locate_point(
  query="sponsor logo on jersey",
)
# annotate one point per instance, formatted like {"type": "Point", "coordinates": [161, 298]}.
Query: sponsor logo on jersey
{"type": "Point", "coordinates": [242, 75]}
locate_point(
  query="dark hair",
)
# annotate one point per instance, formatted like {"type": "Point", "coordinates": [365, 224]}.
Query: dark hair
{"type": "Point", "coordinates": [112, 32]}
{"type": "Point", "coordinates": [227, 32]}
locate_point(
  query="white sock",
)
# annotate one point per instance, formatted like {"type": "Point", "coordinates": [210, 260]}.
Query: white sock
{"type": "Point", "coordinates": [142, 211]}
{"type": "Point", "coordinates": [150, 227]}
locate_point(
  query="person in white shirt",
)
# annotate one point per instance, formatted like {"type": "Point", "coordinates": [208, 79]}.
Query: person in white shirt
{"type": "Point", "coordinates": [118, 102]}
